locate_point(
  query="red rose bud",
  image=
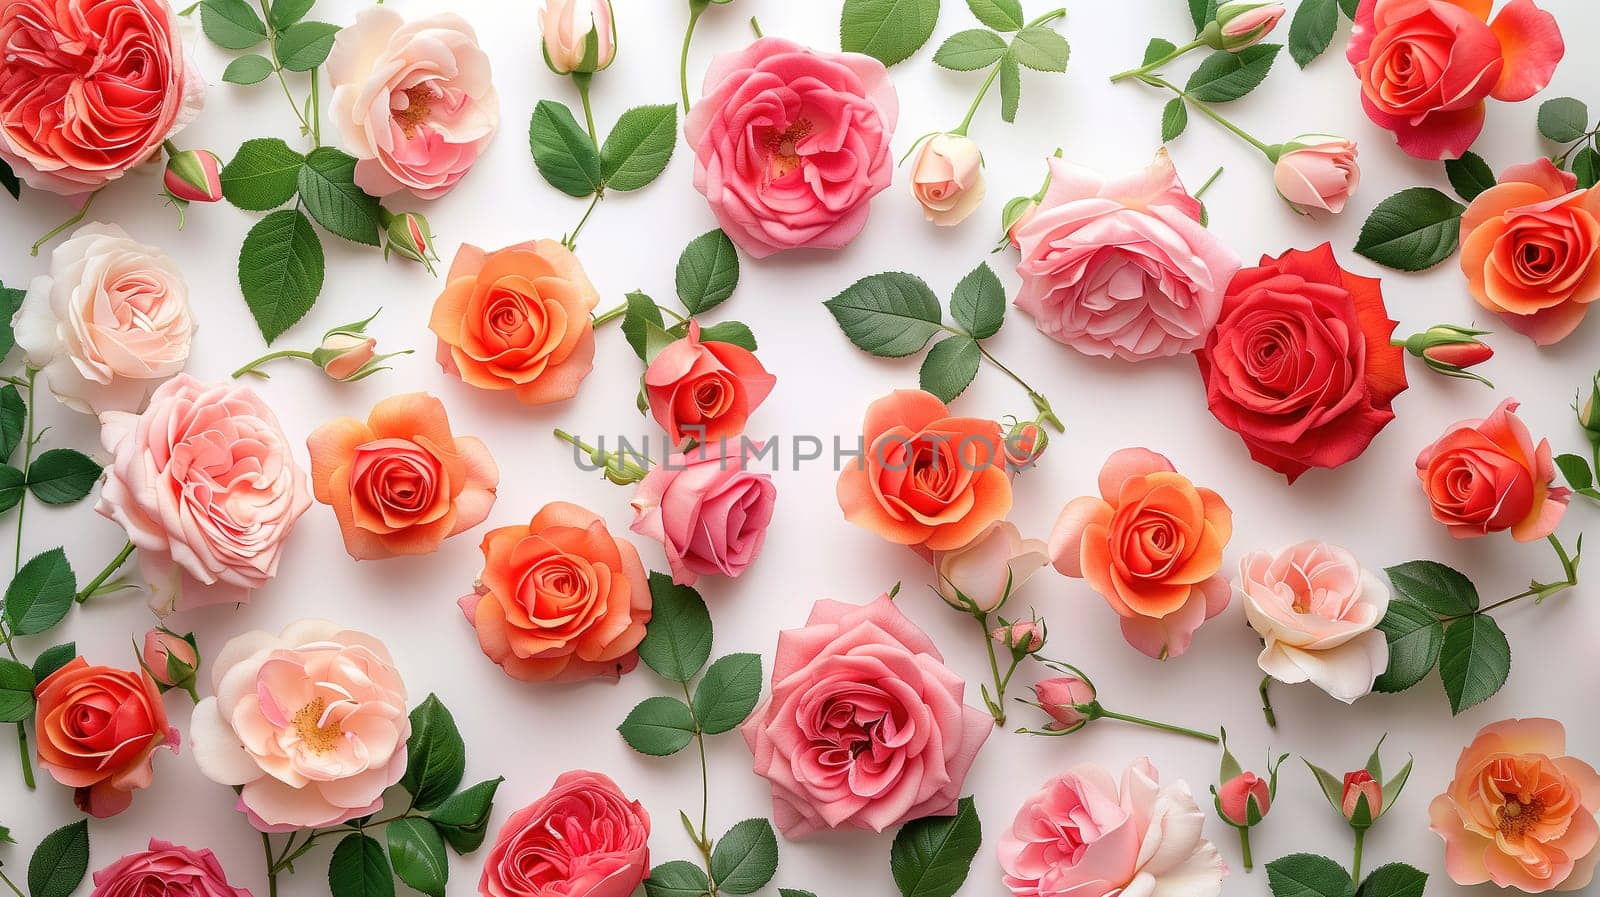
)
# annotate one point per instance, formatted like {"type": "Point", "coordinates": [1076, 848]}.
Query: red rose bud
{"type": "Point", "coordinates": [1021, 637]}
{"type": "Point", "coordinates": [1459, 355]}
{"type": "Point", "coordinates": [171, 659]}
{"type": "Point", "coordinates": [1450, 349]}
{"type": "Point", "coordinates": [1024, 444]}
{"type": "Point", "coordinates": [1236, 795]}
{"type": "Point", "coordinates": [410, 238]}
{"type": "Point", "coordinates": [1062, 698]}
{"type": "Point", "coordinates": [1357, 785]}
{"type": "Point", "coordinates": [1241, 24]}
{"type": "Point", "coordinates": [194, 176]}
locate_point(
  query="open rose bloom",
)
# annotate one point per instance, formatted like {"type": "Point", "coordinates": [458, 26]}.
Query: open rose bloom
{"type": "Point", "coordinates": [97, 730]}
{"type": "Point", "coordinates": [584, 838]}
{"type": "Point", "coordinates": [165, 870]}
{"type": "Point", "coordinates": [704, 391]}
{"type": "Point", "coordinates": [1486, 475]}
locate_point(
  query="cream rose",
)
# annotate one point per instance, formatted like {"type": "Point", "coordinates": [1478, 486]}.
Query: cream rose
{"type": "Point", "coordinates": [947, 179]}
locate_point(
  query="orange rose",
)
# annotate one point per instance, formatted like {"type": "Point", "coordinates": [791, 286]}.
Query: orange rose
{"type": "Point", "coordinates": [560, 599]}
{"type": "Point", "coordinates": [1520, 812]}
{"type": "Point", "coordinates": [1530, 248]}
{"type": "Point", "coordinates": [1151, 545]}
{"type": "Point", "coordinates": [1486, 475]}
{"type": "Point", "coordinates": [517, 319]}
{"type": "Point", "coordinates": [98, 728]}
{"type": "Point", "coordinates": [924, 478]}
{"type": "Point", "coordinates": [401, 483]}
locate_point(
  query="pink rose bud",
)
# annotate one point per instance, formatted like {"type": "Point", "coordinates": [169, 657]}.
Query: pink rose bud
{"type": "Point", "coordinates": [1236, 794]}
{"type": "Point", "coordinates": [1062, 696]}
{"type": "Point", "coordinates": [579, 35]}
{"type": "Point", "coordinates": [1361, 784]}
{"type": "Point", "coordinates": [1016, 215]}
{"type": "Point", "coordinates": [1023, 636]}
{"type": "Point", "coordinates": [194, 176]}
{"type": "Point", "coordinates": [1024, 444]}
{"type": "Point", "coordinates": [410, 238]}
{"type": "Point", "coordinates": [1317, 173]}
{"type": "Point", "coordinates": [1241, 23]}
{"type": "Point", "coordinates": [947, 178]}
{"type": "Point", "coordinates": [169, 658]}
{"type": "Point", "coordinates": [343, 355]}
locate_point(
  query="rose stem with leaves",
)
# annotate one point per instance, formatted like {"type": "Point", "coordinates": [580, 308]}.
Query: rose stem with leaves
{"type": "Point", "coordinates": [1157, 64]}
{"type": "Point", "coordinates": [701, 840]}
{"type": "Point", "coordinates": [994, 72]}
{"type": "Point", "coordinates": [1040, 403]}
{"type": "Point", "coordinates": [279, 863]}
{"type": "Point", "coordinates": [16, 565]}
{"type": "Point", "coordinates": [1270, 152]}
{"type": "Point", "coordinates": [310, 127]}
{"type": "Point", "coordinates": [106, 573]}
{"type": "Point", "coordinates": [1536, 590]}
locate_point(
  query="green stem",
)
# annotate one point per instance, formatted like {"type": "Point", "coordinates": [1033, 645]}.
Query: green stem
{"type": "Point", "coordinates": [703, 842]}
{"type": "Point", "coordinates": [1212, 114]}
{"type": "Point", "coordinates": [581, 80]}
{"type": "Point", "coordinates": [611, 461]}
{"type": "Point", "coordinates": [272, 869]}
{"type": "Point", "coordinates": [27, 460]}
{"type": "Point", "coordinates": [56, 231]}
{"type": "Point", "coordinates": [1209, 181]}
{"type": "Point", "coordinates": [1164, 727]}
{"type": "Point", "coordinates": [610, 314]}
{"type": "Point", "coordinates": [11, 884]}
{"type": "Point", "coordinates": [99, 580]}
{"type": "Point", "coordinates": [1244, 847]}
{"type": "Point", "coordinates": [316, 110]}
{"type": "Point", "coordinates": [251, 367]}
{"type": "Point", "coordinates": [973, 109]}
{"type": "Point", "coordinates": [1266, 703]}
{"type": "Point", "coordinates": [1569, 568]}
{"type": "Point", "coordinates": [1355, 864]}
{"type": "Point", "coordinates": [26, 756]}
{"type": "Point", "coordinates": [272, 46]}
{"type": "Point", "coordinates": [571, 240]}
{"type": "Point", "coordinates": [755, 26]}
{"type": "Point", "coordinates": [1046, 413]}
{"type": "Point", "coordinates": [997, 707]}
{"type": "Point", "coordinates": [1152, 66]}
{"type": "Point", "coordinates": [697, 8]}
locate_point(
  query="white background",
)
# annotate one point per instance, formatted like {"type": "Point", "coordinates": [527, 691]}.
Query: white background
{"type": "Point", "coordinates": [531, 733]}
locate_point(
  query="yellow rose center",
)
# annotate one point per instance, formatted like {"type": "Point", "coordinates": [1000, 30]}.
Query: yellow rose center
{"type": "Point", "coordinates": [1517, 818]}
{"type": "Point", "coordinates": [308, 725]}
{"type": "Point", "coordinates": [419, 99]}
{"type": "Point", "coordinates": [785, 157]}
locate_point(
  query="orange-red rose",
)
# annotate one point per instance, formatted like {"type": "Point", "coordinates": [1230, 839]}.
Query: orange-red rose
{"type": "Point", "coordinates": [704, 391]}
{"type": "Point", "coordinates": [97, 729]}
{"type": "Point", "coordinates": [1486, 475]}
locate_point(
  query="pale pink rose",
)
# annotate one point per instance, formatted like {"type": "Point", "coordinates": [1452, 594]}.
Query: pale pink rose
{"type": "Point", "coordinates": [947, 178]}
{"type": "Point", "coordinates": [311, 725]}
{"type": "Point", "coordinates": [567, 26]}
{"type": "Point", "coordinates": [165, 870]}
{"type": "Point", "coordinates": [108, 323]}
{"type": "Point", "coordinates": [412, 102]}
{"type": "Point", "coordinates": [1317, 609]}
{"type": "Point", "coordinates": [584, 838]}
{"type": "Point", "coordinates": [791, 144]}
{"type": "Point", "coordinates": [1244, 23]}
{"type": "Point", "coordinates": [706, 509]}
{"type": "Point", "coordinates": [1317, 173]}
{"type": "Point", "coordinates": [206, 486]}
{"type": "Point", "coordinates": [1083, 835]}
{"type": "Point", "coordinates": [1122, 267]}
{"type": "Point", "coordinates": [825, 738]}
{"type": "Point", "coordinates": [1061, 696]}
{"type": "Point", "coordinates": [990, 568]}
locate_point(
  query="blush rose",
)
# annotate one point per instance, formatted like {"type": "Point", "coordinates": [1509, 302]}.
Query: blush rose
{"type": "Point", "coordinates": [947, 178]}
{"type": "Point", "coordinates": [584, 838]}
{"type": "Point", "coordinates": [1486, 476]}
{"type": "Point", "coordinates": [98, 729]}
{"type": "Point", "coordinates": [704, 391]}
{"type": "Point", "coordinates": [165, 870]}
{"type": "Point", "coordinates": [707, 509]}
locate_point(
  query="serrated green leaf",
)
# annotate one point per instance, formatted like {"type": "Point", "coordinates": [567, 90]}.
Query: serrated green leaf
{"type": "Point", "coordinates": [52, 660]}
{"type": "Point", "coordinates": [746, 858]}
{"type": "Point", "coordinates": [231, 24]}
{"type": "Point", "coordinates": [41, 593]}
{"type": "Point", "coordinates": [60, 862]}
{"type": "Point", "coordinates": [13, 418]}
{"type": "Point", "coordinates": [328, 189]}
{"type": "Point", "coordinates": [979, 303]}
{"type": "Point", "coordinates": [62, 476]}
{"type": "Point", "coordinates": [887, 30]}
{"type": "Point", "coordinates": [1311, 30]}
{"type": "Point", "coordinates": [728, 693]}
{"type": "Point", "coordinates": [562, 150]}
{"type": "Point", "coordinates": [735, 332]}
{"type": "Point", "coordinates": [416, 852]}
{"type": "Point", "coordinates": [1415, 639]}
{"type": "Point", "coordinates": [890, 315]}
{"type": "Point", "coordinates": [1308, 875]}
{"type": "Point", "coordinates": [436, 755]}
{"type": "Point", "coordinates": [1224, 77]}
{"type": "Point", "coordinates": [677, 879]}
{"type": "Point", "coordinates": [1174, 119]}
{"type": "Point", "coordinates": [971, 50]}
{"type": "Point", "coordinates": [639, 147]}
{"type": "Point", "coordinates": [1586, 167]}
{"type": "Point", "coordinates": [8, 180]}
{"type": "Point", "coordinates": [1475, 661]}
{"type": "Point", "coordinates": [1010, 87]}
{"type": "Point", "coordinates": [13, 486]}
{"type": "Point", "coordinates": [1563, 119]}
{"type": "Point", "coordinates": [359, 868]}
{"type": "Point", "coordinates": [1412, 230]}
{"type": "Point", "coordinates": [1394, 880]}
{"type": "Point", "coordinates": [304, 45]}
{"type": "Point", "coordinates": [1041, 48]}
{"type": "Point", "coordinates": [707, 273]}
{"type": "Point", "coordinates": [250, 69]}
{"type": "Point", "coordinates": [286, 12]}
{"type": "Point", "coordinates": [1001, 15]}
{"type": "Point", "coordinates": [642, 310]}
{"type": "Point", "coordinates": [931, 857]}
{"type": "Point", "coordinates": [16, 691]}
{"type": "Point", "coordinates": [280, 271]}
{"type": "Point", "coordinates": [950, 367]}
{"type": "Point", "coordinates": [677, 641]}
{"type": "Point", "coordinates": [1202, 12]}
{"type": "Point", "coordinates": [1445, 591]}
{"type": "Point", "coordinates": [10, 301]}
{"type": "Point", "coordinates": [262, 175]}
{"type": "Point", "coordinates": [658, 727]}
{"type": "Point", "coordinates": [463, 819]}
{"type": "Point", "coordinates": [1469, 175]}
{"type": "Point", "coordinates": [794, 892]}
{"type": "Point", "coordinates": [1158, 48]}
{"type": "Point", "coordinates": [1349, 7]}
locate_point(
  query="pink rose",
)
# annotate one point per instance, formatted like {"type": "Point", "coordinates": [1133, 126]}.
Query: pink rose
{"type": "Point", "coordinates": [1242, 23]}
{"type": "Point", "coordinates": [947, 179]}
{"type": "Point", "coordinates": [1085, 836]}
{"type": "Point", "coordinates": [791, 144]}
{"type": "Point", "coordinates": [989, 569]}
{"type": "Point", "coordinates": [1061, 696]}
{"type": "Point", "coordinates": [413, 102]}
{"type": "Point", "coordinates": [583, 839]}
{"type": "Point", "coordinates": [568, 26]}
{"type": "Point", "coordinates": [170, 659]}
{"type": "Point", "coordinates": [165, 870]}
{"type": "Point", "coordinates": [89, 89]}
{"type": "Point", "coordinates": [707, 510]}
{"type": "Point", "coordinates": [865, 727]}
{"type": "Point", "coordinates": [1122, 267]}
{"type": "Point", "coordinates": [207, 489]}
{"type": "Point", "coordinates": [1317, 173]}
{"type": "Point", "coordinates": [310, 725]}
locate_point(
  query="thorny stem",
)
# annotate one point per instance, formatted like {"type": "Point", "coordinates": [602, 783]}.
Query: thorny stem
{"type": "Point", "coordinates": [1569, 568]}
{"type": "Point", "coordinates": [1042, 404]}
{"type": "Point", "coordinates": [99, 580]}
{"type": "Point", "coordinates": [997, 706]}
{"type": "Point", "coordinates": [702, 841]}
{"type": "Point", "coordinates": [58, 229]}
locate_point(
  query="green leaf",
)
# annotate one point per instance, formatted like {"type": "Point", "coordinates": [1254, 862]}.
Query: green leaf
{"type": "Point", "coordinates": [1563, 119]}
{"type": "Point", "coordinates": [1174, 119]}
{"type": "Point", "coordinates": [1443, 590]}
{"type": "Point", "coordinates": [262, 175]}
{"type": "Point", "coordinates": [979, 302]}
{"type": "Point", "coordinates": [677, 641]}
{"type": "Point", "coordinates": [1311, 30]}
{"type": "Point", "coordinates": [890, 315]}
{"type": "Point", "coordinates": [950, 367]}
{"type": "Point", "coordinates": [250, 69]}
{"type": "Point", "coordinates": [51, 660]}
{"type": "Point", "coordinates": [639, 146]}
{"type": "Point", "coordinates": [41, 593]}
{"type": "Point", "coordinates": [1202, 11]}
{"type": "Point", "coordinates": [286, 12]}
{"type": "Point", "coordinates": [436, 755]}
{"type": "Point", "coordinates": [1412, 230]}
{"type": "Point", "coordinates": [359, 869]}
{"type": "Point", "coordinates": [971, 50]}
{"type": "Point", "coordinates": [728, 693]}
{"type": "Point", "coordinates": [13, 485]}
{"type": "Point", "coordinates": [1475, 661]}
{"type": "Point", "coordinates": [463, 819]}
{"type": "Point", "coordinates": [1576, 469]}
{"type": "Point", "coordinates": [1415, 639]}
{"type": "Point", "coordinates": [1158, 48]}
{"type": "Point", "coordinates": [60, 861]}
{"type": "Point", "coordinates": [62, 476]}
{"type": "Point", "coordinates": [677, 879]}
{"type": "Point", "coordinates": [13, 417]}
{"type": "Point", "coordinates": [658, 727]}
{"type": "Point", "coordinates": [1349, 7]}
{"type": "Point", "coordinates": [1001, 15]}
{"type": "Point", "coordinates": [562, 150]}
{"type": "Point", "coordinates": [1308, 875]}
{"type": "Point", "coordinates": [1586, 167]}
{"type": "Point", "coordinates": [1224, 76]}
{"type": "Point", "coordinates": [231, 25]}
{"type": "Point", "coordinates": [10, 301]}
{"type": "Point", "coordinates": [794, 892]}
{"type": "Point", "coordinates": [304, 45]}
{"type": "Point", "coordinates": [735, 332]}
{"type": "Point", "coordinates": [641, 310]}
{"type": "Point", "coordinates": [16, 691]}
{"type": "Point", "coordinates": [746, 858]}
{"type": "Point", "coordinates": [416, 851]}
{"type": "Point", "coordinates": [1469, 175]}
{"type": "Point", "coordinates": [887, 30]}
{"type": "Point", "coordinates": [328, 189]}
{"type": "Point", "coordinates": [1010, 88]}
{"type": "Point", "coordinates": [656, 339]}
{"type": "Point", "coordinates": [1040, 48]}
{"type": "Point", "coordinates": [1394, 880]}
{"type": "Point", "coordinates": [280, 271]}
{"type": "Point", "coordinates": [931, 857]}
{"type": "Point", "coordinates": [708, 272]}
{"type": "Point", "coordinates": [8, 180]}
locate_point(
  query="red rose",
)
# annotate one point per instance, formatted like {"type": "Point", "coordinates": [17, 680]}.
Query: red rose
{"type": "Point", "coordinates": [1283, 371]}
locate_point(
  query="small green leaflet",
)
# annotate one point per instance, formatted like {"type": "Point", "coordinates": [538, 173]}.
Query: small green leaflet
{"type": "Point", "coordinates": [262, 175]}
{"type": "Point", "coordinates": [359, 868]}
{"type": "Point", "coordinates": [1224, 76]}
{"type": "Point", "coordinates": [16, 691]}
{"type": "Point", "coordinates": [979, 303]}
{"type": "Point", "coordinates": [746, 858]}
{"type": "Point", "coordinates": [677, 641]}
{"type": "Point", "coordinates": [1010, 87]}
{"type": "Point", "coordinates": [1174, 119]}
{"type": "Point", "coordinates": [328, 188]}
{"type": "Point", "coordinates": [60, 862]}
{"type": "Point", "coordinates": [931, 857]}
{"type": "Point", "coordinates": [416, 851]}
{"type": "Point", "coordinates": [41, 593]}
{"type": "Point", "coordinates": [1563, 119]}
{"type": "Point", "coordinates": [1440, 589]}
{"type": "Point", "coordinates": [639, 147]}
{"type": "Point", "coordinates": [707, 273]}
{"type": "Point", "coordinates": [1475, 661]}
{"type": "Point", "coordinates": [950, 367]}
{"type": "Point", "coordinates": [1001, 15]}
{"type": "Point", "coordinates": [888, 30]}
{"type": "Point", "coordinates": [304, 45]}
{"type": "Point", "coordinates": [62, 476]}
{"type": "Point", "coordinates": [1311, 30]}
{"type": "Point", "coordinates": [436, 755]}
{"type": "Point", "coordinates": [728, 693]}
{"type": "Point", "coordinates": [1308, 875]}
{"type": "Point", "coordinates": [1040, 48]}
{"type": "Point", "coordinates": [1394, 880]}
{"type": "Point", "coordinates": [1469, 175]}
{"type": "Point", "coordinates": [677, 879]}
{"type": "Point", "coordinates": [1415, 639]}
{"type": "Point", "coordinates": [890, 315]}
{"type": "Point", "coordinates": [249, 69]}
{"type": "Point", "coordinates": [658, 727]}
{"type": "Point", "coordinates": [231, 24]}
{"type": "Point", "coordinates": [969, 51]}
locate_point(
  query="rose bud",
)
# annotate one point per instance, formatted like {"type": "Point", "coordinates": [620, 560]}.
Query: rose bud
{"type": "Point", "coordinates": [579, 35]}
{"type": "Point", "coordinates": [171, 659]}
{"type": "Point", "coordinates": [409, 238]}
{"type": "Point", "coordinates": [1023, 637]}
{"type": "Point", "coordinates": [1241, 24]}
{"type": "Point", "coordinates": [1316, 173]}
{"type": "Point", "coordinates": [194, 176]}
{"type": "Point", "coordinates": [1450, 350]}
{"type": "Point", "coordinates": [1357, 785]}
{"type": "Point", "coordinates": [1238, 795]}
{"type": "Point", "coordinates": [1062, 698]}
{"type": "Point", "coordinates": [947, 178]}
{"type": "Point", "coordinates": [980, 577]}
{"type": "Point", "coordinates": [343, 355]}
{"type": "Point", "coordinates": [1589, 413]}
{"type": "Point", "coordinates": [1024, 444]}
{"type": "Point", "coordinates": [1014, 217]}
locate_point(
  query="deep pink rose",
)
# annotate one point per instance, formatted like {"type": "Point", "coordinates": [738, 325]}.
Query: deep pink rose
{"type": "Point", "coordinates": [583, 839]}
{"type": "Point", "coordinates": [865, 727]}
{"type": "Point", "coordinates": [165, 870]}
{"type": "Point", "coordinates": [791, 144]}
{"type": "Point", "coordinates": [706, 509]}
{"type": "Point", "coordinates": [1122, 267]}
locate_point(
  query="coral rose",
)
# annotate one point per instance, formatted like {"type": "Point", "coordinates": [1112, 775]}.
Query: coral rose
{"type": "Point", "coordinates": [987, 570]}
{"type": "Point", "coordinates": [89, 89]}
{"type": "Point", "coordinates": [584, 838]}
{"type": "Point", "coordinates": [560, 599]}
{"type": "Point", "coordinates": [401, 483]}
{"type": "Point", "coordinates": [1486, 475]}
{"type": "Point", "coordinates": [1520, 812]}
{"type": "Point", "coordinates": [791, 144]}
{"type": "Point", "coordinates": [98, 729]}
{"type": "Point", "coordinates": [947, 178]}
{"type": "Point", "coordinates": [310, 725]}
{"type": "Point", "coordinates": [412, 102]}
{"type": "Point", "coordinates": [865, 727]}
{"type": "Point", "coordinates": [1426, 66]}
{"type": "Point", "coordinates": [1530, 247]}
{"type": "Point", "coordinates": [707, 509]}
{"type": "Point", "coordinates": [1317, 609]}
{"type": "Point", "coordinates": [165, 870]}
{"type": "Point", "coordinates": [924, 478]}
{"type": "Point", "coordinates": [1122, 267]}
{"type": "Point", "coordinates": [704, 391]}
{"type": "Point", "coordinates": [108, 323]}
{"type": "Point", "coordinates": [1151, 545]}
{"type": "Point", "coordinates": [1300, 364]}
{"type": "Point", "coordinates": [205, 486]}
{"type": "Point", "coordinates": [517, 319]}
{"type": "Point", "coordinates": [1086, 836]}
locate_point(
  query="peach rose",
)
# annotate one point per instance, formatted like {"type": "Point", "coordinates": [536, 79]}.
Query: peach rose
{"type": "Point", "coordinates": [1317, 173]}
{"type": "Point", "coordinates": [584, 838]}
{"type": "Point", "coordinates": [1151, 545]}
{"type": "Point", "coordinates": [704, 391]}
{"type": "Point", "coordinates": [1530, 247]}
{"type": "Point", "coordinates": [708, 510]}
{"type": "Point", "coordinates": [89, 89]}
{"type": "Point", "coordinates": [206, 487]}
{"type": "Point", "coordinates": [1520, 812]}
{"type": "Point", "coordinates": [517, 319]}
{"type": "Point", "coordinates": [108, 323]}
{"type": "Point", "coordinates": [98, 729]}
{"type": "Point", "coordinates": [947, 178]}
{"type": "Point", "coordinates": [310, 725]}
{"type": "Point", "coordinates": [987, 570]}
{"type": "Point", "coordinates": [560, 599]}
{"type": "Point", "coordinates": [412, 102]}
{"type": "Point", "coordinates": [401, 483]}
{"type": "Point", "coordinates": [1486, 475]}
{"type": "Point", "coordinates": [924, 478]}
